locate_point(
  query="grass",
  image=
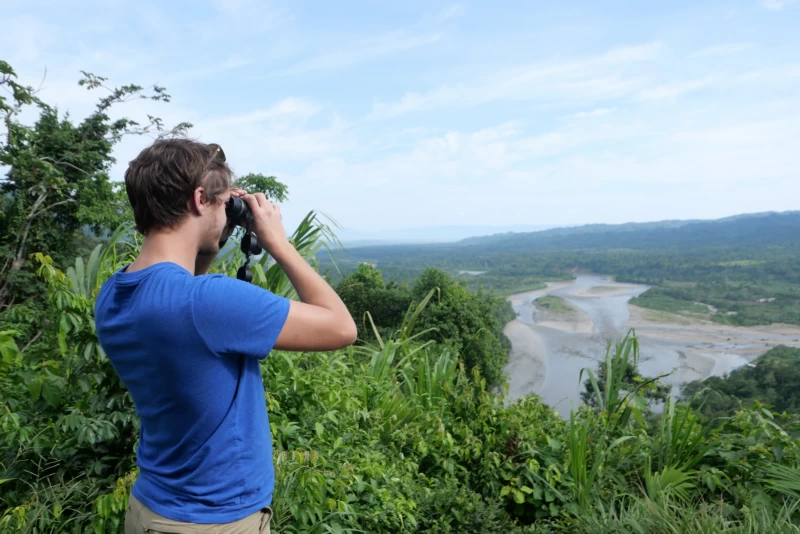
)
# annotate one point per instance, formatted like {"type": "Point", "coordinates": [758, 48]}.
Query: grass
{"type": "Point", "coordinates": [673, 283]}
{"type": "Point", "coordinates": [657, 316]}
{"type": "Point", "coordinates": [553, 304]}
{"type": "Point", "coordinates": [501, 286]}
{"type": "Point", "coordinates": [741, 263]}
{"type": "Point", "coordinates": [636, 515]}
{"type": "Point", "coordinates": [668, 304]}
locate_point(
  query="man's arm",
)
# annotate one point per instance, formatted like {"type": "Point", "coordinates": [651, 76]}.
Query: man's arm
{"type": "Point", "coordinates": [320, 321]}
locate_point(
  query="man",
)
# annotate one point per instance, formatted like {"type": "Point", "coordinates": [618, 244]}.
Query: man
{"type": "Point", "coordinates": [187, 344]}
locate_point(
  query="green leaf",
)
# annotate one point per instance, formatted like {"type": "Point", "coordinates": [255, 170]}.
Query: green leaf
{"type": "Point", "coordinates": [36, 390]}
{"type": "Point", "coordinates": [519, 497]}
{"type": "Point", "coordinates": [733, 456]}
{"type": "Point", "coordinates": [319, 428]}
{"type": "Point", "coordinates": [83, 382]}
{"type": "Point", "coordinates": [62, 342]}
{"type": "Point", "coordinates": [8, 347]}
{"type": "Point", "coordinates": [52, 394]}
{"type": "Point", "coordinates": [5, 68]}
{"type": "Point", "coordinates": [505, 491]}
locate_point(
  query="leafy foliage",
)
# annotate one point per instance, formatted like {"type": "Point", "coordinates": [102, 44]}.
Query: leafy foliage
{"type": "Point", "coordinates": [396, 436]}
{"type": "Point", "coordinates": [468, 324]}
{"type": "Point", "coordinates": [623, 364]}
{"type": "Point", "coordinates": [57, 186]}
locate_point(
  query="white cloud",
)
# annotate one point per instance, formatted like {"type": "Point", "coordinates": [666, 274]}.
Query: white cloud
{"type": "Point", "coordinates": [776, 5]}
{"type": "Point", "coordinates": [25, 39]}
{"type": "Point", "coordinates": [251, 14]}
{"type": "Point", "coordinates": [452, 11]}
{"type": "Point", "coordinates": [630, 54]}
{"type": "Point", "coordinates": [599, 112]}
{"type": "Point", "coordinates": [289, 108]}
{"type": "Point", "coordinates": [362, 50]}
{"type": "Point", "coordinates": [346, 53]}
{"type": "Point", "coordinates": [693, 162]}
{"type": "Point", "coordinates": [772, 75]}
{"type": "Point", "coordinates": [724, 49]}
{"type": "Point", "coordinates": [585, 79]}
{"type": "Point", "coordinates": [501, 131]}
{"type": "Point", "coordinates": [676, 89]}
{"type": "Point", "coordinates": [236, 62]}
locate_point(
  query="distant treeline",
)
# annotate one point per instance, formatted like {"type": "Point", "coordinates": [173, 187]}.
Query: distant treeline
{"type": "Point", "coordinates": [746, 267]}
{"type": "Point", "coordinates": [772, 379]}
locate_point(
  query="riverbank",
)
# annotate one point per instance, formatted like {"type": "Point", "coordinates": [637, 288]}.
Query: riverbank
{"type": "Point", "coordinates": [549, 348]}
{"type": "Point", "coordinates": [563, 316]}
{"type": "Point", "coordinates": [526, 362]}
{"type": "Point", "coordinates": [713, 347]}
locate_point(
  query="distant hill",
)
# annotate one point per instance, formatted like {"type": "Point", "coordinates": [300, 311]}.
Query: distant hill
{"type": "Point", "coordinates": [747, 267]}
{"type": "Point", "coordinates": [758, 228]}
{"type": "Point", "coordinates": [426, 234]}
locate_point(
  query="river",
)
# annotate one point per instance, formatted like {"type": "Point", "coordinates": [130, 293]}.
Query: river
{"type": "Point", "coordinates": [548, 352]}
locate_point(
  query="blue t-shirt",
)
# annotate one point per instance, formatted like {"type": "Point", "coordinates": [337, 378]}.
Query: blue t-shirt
{"type": "Point", "coordinates": [188, 349]}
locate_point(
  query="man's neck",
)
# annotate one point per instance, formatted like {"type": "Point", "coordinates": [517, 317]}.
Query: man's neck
{"type": "Point", "coordinates": [166, 246]}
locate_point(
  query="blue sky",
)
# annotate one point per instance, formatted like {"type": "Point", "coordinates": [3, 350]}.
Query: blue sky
{"type": "Point", "coordinates": [425, 113]}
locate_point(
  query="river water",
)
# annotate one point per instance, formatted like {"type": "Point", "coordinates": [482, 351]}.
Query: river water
{"type": "Point", "coordinates": [547, 358]}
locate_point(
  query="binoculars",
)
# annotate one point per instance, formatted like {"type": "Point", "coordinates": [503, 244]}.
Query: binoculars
{"type": "Point", "coordinates": [239, 214]}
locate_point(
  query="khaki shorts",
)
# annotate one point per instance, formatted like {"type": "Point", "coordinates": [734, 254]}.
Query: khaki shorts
{"type": "Point", "coordinates": [139, 519]}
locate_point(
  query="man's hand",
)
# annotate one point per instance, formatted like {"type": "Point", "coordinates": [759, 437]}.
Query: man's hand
{"type": "Point", "coordinates": [320, 321]}
{"type": "Point", "coordinates": [267, 223]}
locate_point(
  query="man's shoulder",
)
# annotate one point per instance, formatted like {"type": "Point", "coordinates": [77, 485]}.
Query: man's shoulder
{"type": "Point", "coordinates": [121, 286]}
{"type": "Point", "coordinates": [218, 282]}
{"type": "Point", "coordinates": [219, 287]}
{"type": "Point", "coordinates": [219, 292]}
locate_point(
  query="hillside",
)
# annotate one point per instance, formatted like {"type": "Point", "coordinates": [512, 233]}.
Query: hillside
{"type": "Point", "coordinates": [746, 266]}
{"type": "Point", "coordinates": [750, 229]}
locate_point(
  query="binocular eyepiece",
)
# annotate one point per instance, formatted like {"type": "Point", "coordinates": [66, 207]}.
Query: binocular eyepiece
{"type": "Point", "coordinates": [238, 213]}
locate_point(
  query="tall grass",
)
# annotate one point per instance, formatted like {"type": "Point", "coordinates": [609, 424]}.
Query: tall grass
{"type": "Point", "coordinates": [635, 515]}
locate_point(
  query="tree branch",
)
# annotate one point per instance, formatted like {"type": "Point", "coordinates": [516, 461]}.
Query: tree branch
{"type": "Point", "coordinates": [70, 165]}
{"type": "Point", "coordinates": [51, 206]}
{"type": "Point", "coordinates": [32, 341]}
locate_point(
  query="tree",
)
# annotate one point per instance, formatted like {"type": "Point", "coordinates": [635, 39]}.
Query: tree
{"type": "Point", "coordinates": [363, 291]}
{"type": "Point", "coordinates": [269, 185]}
{"type": "Point", "coordinates": [57, 185]}
{"type": "Point", "coordinates": [466, 322]}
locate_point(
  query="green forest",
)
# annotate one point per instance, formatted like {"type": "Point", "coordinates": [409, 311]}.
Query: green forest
{"type": "Point", "coordinates": [409, 430]}
{"type": "Point", "coordinates": [747, 267]}
{"type": "Point", "coordinates": [770, 379]}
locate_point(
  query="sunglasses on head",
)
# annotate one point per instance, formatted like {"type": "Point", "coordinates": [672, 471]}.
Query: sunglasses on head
{"type": "Point", "coordinates": [216, 150]}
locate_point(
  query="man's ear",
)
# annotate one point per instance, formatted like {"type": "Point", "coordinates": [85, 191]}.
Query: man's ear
{"type": "Point", "coordinates": [199, 201]}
